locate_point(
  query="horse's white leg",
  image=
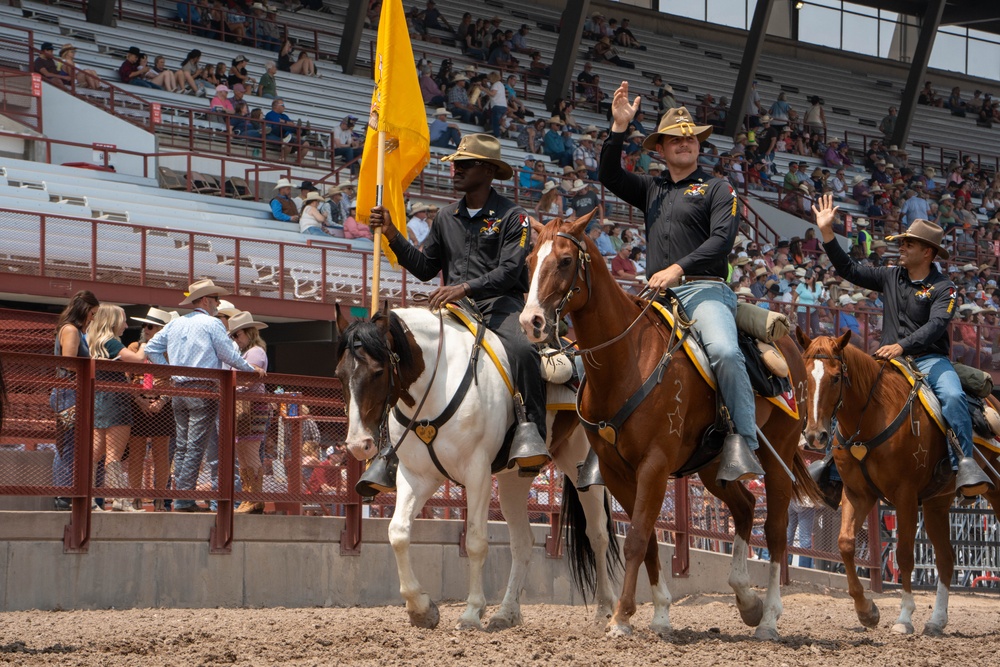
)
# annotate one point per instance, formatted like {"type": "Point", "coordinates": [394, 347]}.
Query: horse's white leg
{"type": "Point", "coordinates": [513, 491]}
{"type": "Point", "coordinates": [904, 624]}
{"type": "Point", "coordinates": [661, 607]}
{"type": "Point", "coordinates": [575, 451]}
{"type": "Point", "coordinates": [768, 627]}
{"type": "Point", "coordinates": [411, 494]}
{"type": "Point", "coordinates": [477, 493]}
{"type": "Point", "coordinates": [747, 602]}
{"type": "Point", "coordinates": [939, 617]}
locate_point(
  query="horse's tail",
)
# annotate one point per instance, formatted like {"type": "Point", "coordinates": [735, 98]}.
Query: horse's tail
{"type": "Point", "coordinates": [805, 487]}
{"type": "Point", "coordinates": [581, 557]}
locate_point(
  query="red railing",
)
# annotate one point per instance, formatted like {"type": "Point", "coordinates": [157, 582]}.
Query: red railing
{"type": "Point", "coordinates": [930, 155]}
{"type": "Point", "coordinates": [21, 97]}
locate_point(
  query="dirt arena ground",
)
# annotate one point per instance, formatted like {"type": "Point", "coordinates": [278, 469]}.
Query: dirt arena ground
{"type": "Point", "coordinates": [818, 628]}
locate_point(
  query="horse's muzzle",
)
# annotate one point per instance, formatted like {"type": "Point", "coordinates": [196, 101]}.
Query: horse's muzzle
{"type": "Point", "coordinates": [363, 449]}
{"type": "Point", "coordinates": [817, 440]}
{"type": "Point", "coordinates": [534, 325]}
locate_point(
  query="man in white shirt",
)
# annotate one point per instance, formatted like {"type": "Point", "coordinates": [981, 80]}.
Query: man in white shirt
{"type": "Point", "coordinates": [418, 228]}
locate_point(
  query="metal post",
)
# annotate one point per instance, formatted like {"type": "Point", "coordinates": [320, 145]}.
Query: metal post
{"type": "Point", "coordinates": [571, 32]}
{"type": "Point", "coordinates": [748, 66]}
{"type": "Point", "coordinates": [875, 548]}
{"type": "Point", "coordinates": [350, 39]}
{"type": "Point", "coordinates": [221, 536]}
{"type": "Point", "coordinates": [350, 537]}
{"type": "Point", "coordinates": [553, 541]}
{"type": "Point", "coordinates": [929, 23]}
{"type": "Point", "coordinates": [76, 534]}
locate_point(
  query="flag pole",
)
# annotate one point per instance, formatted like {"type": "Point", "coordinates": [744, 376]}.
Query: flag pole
{"type": "Point", "coordinates": [377, 254]}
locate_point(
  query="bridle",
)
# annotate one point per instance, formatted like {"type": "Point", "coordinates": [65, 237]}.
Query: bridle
{"type": "Point", "coordinates": [844, 377]}
{"type": "Point", "coordinates": [582, 268]}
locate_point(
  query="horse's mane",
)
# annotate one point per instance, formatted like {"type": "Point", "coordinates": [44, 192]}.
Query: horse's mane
{"type": "Point", "coordinates": [364, 334]}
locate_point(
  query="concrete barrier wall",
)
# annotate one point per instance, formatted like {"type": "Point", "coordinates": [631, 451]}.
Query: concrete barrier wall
{"type": "Point", "coordinates": [163, 560]}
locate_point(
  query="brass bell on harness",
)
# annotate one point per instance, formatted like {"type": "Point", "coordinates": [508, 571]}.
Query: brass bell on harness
{"type": "Point", "coordinates": [588, 472]}
{"type": "Point", "coordinates": [380, 476]}
{"type": "Point", "coordinates": [737, 462]}
{"type": "Point", "coordinates": [832, 489]}
{"type": "Point", "coordinates": [527, 450]}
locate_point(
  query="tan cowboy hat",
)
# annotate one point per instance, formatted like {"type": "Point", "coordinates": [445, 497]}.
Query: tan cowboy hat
{"type": "Point", "coordinates": [283, 183]}
{"type": "Point", "coordinates": [861, 222]}
{"type": "Point", "coordinates": [419, 207]}
{"type": "Point", "coordinates": [762, 271]}
{"type": "Point", "coordinates": [155, 316]}
{"type": "Point", "coordinates": [657, 166]}
{"type": "Point", "coordinates": [549, 186]}
{"type": "Point", "coordinates": [742, 261]}
{"type": "Point", "coordinates": [66, 48]}
{"type": "Point", "coordinates": [228, 309]}
{"type": "Point", "coordinates": [335, 190]}
{"type": "Point", "coordinates": [744, 291]}
{"type": "Point", "coordinates": [926, 231]}
{"type": "Point", "coordinates": [804, 187]}
{"type": "Point", "coordinates": [244, 320]}
{"type": "Point", "coordinates": [483, 147]}
{"type": "Point", "coordinates": [555, 120]}
{"type": "Point", "coordinates": [568, 170]}
{"type": "Point", "coordinates": [969, 267]}
{"type": "Point", "coordinates": [312, 196]}
{"type": "Point", "coordinates": [440, 111]}
{"type": "Point", "coordinates": [677, 123]}
{"type": "Point", "coordinates": [879, 244]}
{"type": "Point", "coordinates": [635, 135]}
{"type": "Point", "coordinates": [201, 288]}
{"type": "Point", "coordinates": [578, 185]}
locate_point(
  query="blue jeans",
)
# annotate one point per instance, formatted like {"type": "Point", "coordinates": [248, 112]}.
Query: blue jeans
{"type": "Point", "coordinates": [197, 431]}
{"type": "Point", "coordinates": [943, 380]}
{"type": "Point", "coordinates": [62, 465]}
{"type": "Point", "coordinates": [496, 114]}
{"type": "Point", "coordinates": [314, 231]}
{"type": "Point", "coordinates": [449, 139]}
{"type": "Point", "coordinates": [801, 520]}
{"type": "Point", "coordinates": [713, 307]}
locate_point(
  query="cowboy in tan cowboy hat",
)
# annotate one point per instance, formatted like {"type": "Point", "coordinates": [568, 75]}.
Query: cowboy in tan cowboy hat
{"type": "Point", "coordinates": [919, 303]}
{"type": "Point", "coordinates": [480, 243]}
{"type": "Point", "coordinates": [701, 223]}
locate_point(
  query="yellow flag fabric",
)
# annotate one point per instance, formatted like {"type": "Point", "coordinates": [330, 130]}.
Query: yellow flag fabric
{"type": "Point", "coordinates": [398, 110]}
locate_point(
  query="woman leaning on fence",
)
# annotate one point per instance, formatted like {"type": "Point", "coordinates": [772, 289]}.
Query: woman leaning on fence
{"type": "Point", "coordinates": [71, 341]}
{"type": "Point", "coordinates": [251, 417]}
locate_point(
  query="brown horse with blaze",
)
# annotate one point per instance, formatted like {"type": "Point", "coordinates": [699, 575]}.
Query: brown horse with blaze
{"type": "Point", "coordinates": [663, 433]}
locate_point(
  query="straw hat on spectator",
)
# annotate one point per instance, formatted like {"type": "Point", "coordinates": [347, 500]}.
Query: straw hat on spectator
{"type": "Point", "coordinates": [656, 166]}
{"type": "Point", "coordinates": [927, 232]}
{"type": "Point", "coordinates": [312, 196]}
{"type": "Point", "coordinates": [635, 135]}
{"type": "Point", "coordinates": [879, 244]}
{"type": "Point", "coordinates": [549, 186]}
{"type": "Point", "coordinates": [845, 300]}
{"type": "Point", "coordinates": [578, 185]}
{"type": "Point", "coordinates": [677, 123]}
{"type": "Point", "coordinates": [332, 190]}
{"type": "Point", "coordinates": [483, 147]}
{"type": "Point", "coordinates": [283, 183]}
{"type": "Point", "coordinates": [857, 179]}
{"type": "Point", "coordinates": [555, 120]}
{"type": "Point", "coordinates": [568, 170]}
{"type": "Point", "coordinates": [744, 291]}
{"type": "Point", "coordinates": [805, 188]}
{"type": "Point", "coordinates": [440, 111]}
{"type": "Point", "coordinates": [762, 271]}
{"type": "Point", "coordinates": [228, 309]}
{"type": "Point", "coordinates": [200, 288]}
{"type": "Point", "coordinates": [419, 207]}
{"type": "Point", "coordinates": [930, 171]}
{"type": "Point", "coordinates": [742, 261]}
{"type": "Point", "coordinates": [800, 272]}
{"type": "Point", "coordinates": [946, 197]}
{"type": "Point", "coordinates": [969, 267]}
{"type": "Point", "coordinates": [154, 316]}
{"type": "Point", "coordinates": [244, 320]}
{"type": "Point", "coordinates": [876, 189]}
{"type": "Point", "coordinates": [66, 48]}
{"type": "Point", "coordinates": [861, 222]}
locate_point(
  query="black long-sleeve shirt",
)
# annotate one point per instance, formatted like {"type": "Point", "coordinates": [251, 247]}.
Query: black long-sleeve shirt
{"type": "Point", "coordinates": [917, 312]}
{"type": "Point", "coordinates": [487, 251]}
{"type": "Point", "coordinates": [692, 223]}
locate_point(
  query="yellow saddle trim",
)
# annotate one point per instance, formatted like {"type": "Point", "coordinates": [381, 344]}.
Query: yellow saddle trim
{"type": "Point", "coordinates": [936, 417]}
{"type": "Point", "coordinates": [473, 327]}
{"type": "Point", "coordinates": [706, 374]}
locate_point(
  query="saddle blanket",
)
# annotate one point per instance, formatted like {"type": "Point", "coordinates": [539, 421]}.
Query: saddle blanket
{"type": "Point", "coordinates": [933, 407]}
{"type": "Point", "coordinates": [696, 353]}
{"type": "Point", "coordinates": [558, 397]}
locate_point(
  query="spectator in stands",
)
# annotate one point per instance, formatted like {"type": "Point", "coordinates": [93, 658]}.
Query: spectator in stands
{"type": "Point", "coordinates": [955, 103]}
{"type": "Point", "coordinates": [779, 112]}
{"type": "Point", "coordinates": [251, 427]}
{"type": "Point", "coordinates": [880, 175]}
{"type": "Point", "coordinates": [354, 229]}
{"type": "Point", "coordinates": [238, 73]}
{"type": "Point", "coordinates": [210, 77]}
{"type": "Point", "coordinates": [70, 341]}
{"type": "Point", "coordinates": [585, 78]}
{"type": "Point", "coordinates": [838, 185]}
{"type": "Point", "coordinates": [554, 145]}
{"type": "Point", "coordinates": [584, 200]}
{"type": "Point", "coordinates": [551, 203]}
{"type": "Point", "coordinates": [302, 65]}
{"type": "Point", "coordinates": [815, 119]}
{"type": "Point", "coordinates": [45, 66]}
{"type": "Point", "coordinates": [197, 340]}
{"type": "Point", "coordinates": [130, 71]}
{"type": "Point", "coordinates": [792, 180]}
{"type": "Point", "coordinates": [282, 206]}
{"type": "Point", "coordinates": [243, 123]}
{"type": "Point", "coordinates": [604, 51]}
{"type": "Point", "coordinates": [622, 266]}
{"type": "Point", "coordinates": [444, 134]}
{"type": "Point", "coordinates": [312, 221]}
{"type": "Point", "coordinates": [928, 97]}
{"type": "Point", "coordinates": [221, 101]}
{"type": "Point", "coordinates": [112, 409]}
{"type": "Point", "coordinates": [526, 175]}
{"type": "Point", "coordinates": [888, 124]}
{"type": "Point", "coordinates": [519, 41]}
{"type": "Point", "coordinates": [346, 145]}
{"type": "Point", "coordinates": [915, 207]}
{"type": "Point", "coordinates": [236, 24]}
{"type": "Point", "coordinates": [280, 127]}
{"type": "Point", "coordinates": [334, 208]}
{"type": "Point", "coordinates": [430, 91]}
{"type": "Point", "coordinates": [585, 157]}
{"type": "Point", "coordinates": [624, 36]}
{"type": "Point", "coordinates": [498, 102]}
{"type": "Point", "coordinates": [266, 31]}
{"type": "Point", "coordinates": [432, 18]}
{"type": "Point", "coordinates": [85, 78]}
{"type": "Point", "coordinates": [158, 74]}
{"type": "Point", "coordinates": [268, 86]}
{"type": "Point", "coordinates": [502, 57]}
{"type": "Point", "coordinates": [459, 104]}
{"type": "Point", "coordinates": [417, 228]}
{"type": "Point", "coordinates": [189, 14]}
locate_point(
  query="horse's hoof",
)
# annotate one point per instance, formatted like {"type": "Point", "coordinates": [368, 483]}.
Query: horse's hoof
{"type": "Point", "coordinates": [619, 630]}
{"type": "Point", "coordinates": [427, 620]}
{"type": "Point", "coordinates": [904, 629]}
{"type": "Point", "coordinates": [871, 618]}
{"type": "Point", "coordinates": [469, 625]}
{"type": "Point", "coordinates": [766, 634]}
{"type": "Point", "coordinates": [753, 615]}
{"type": "Point", "coordinates": [499, 622]}
{"type": "Point", "coordinates": [662, 631]}
{"type": "Point", "coordinates": [932, 630]}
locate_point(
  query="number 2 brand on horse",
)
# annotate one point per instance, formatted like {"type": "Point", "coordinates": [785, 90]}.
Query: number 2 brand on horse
{"type": "Point", "coordinates": [654, 404]}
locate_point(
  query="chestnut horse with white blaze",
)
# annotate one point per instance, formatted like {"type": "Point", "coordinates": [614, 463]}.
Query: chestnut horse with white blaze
{"type": "Point", "coordinates": [868, 400]}
{"type": "Point", "coordinates": [408, 359]}
{"type": "Point", "coordinates": [667, 427]}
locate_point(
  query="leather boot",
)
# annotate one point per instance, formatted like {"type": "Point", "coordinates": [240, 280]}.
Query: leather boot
{"type": "Point", "coordinates": [737, 462]}
{"type": "Point", "coordinates": [251, 479]}
{"type": "Point", "coordinates": [379, 476]}
{"type": "Point", "coordinates": [528, 450]}
{"type": "Point", "coordinates": [831, 489]}
{"type": "Point", "coordinates": [970, 480]}
{"type": "Point", "coordinates": [588, 473]}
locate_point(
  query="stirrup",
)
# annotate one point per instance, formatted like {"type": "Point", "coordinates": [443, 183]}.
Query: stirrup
{"type": "Point", "coordinates": [737, 462]}
{"type": "Point", "coordinates": [588, 472]}
{"type": "Point", "coordinates": [380, 476]}
{"type": "Point", "coordinates": [971, 481]}
{"type": "Point", "coordinates": [527, 450]}
{"type": "Point", "coordinates": [832, 490]}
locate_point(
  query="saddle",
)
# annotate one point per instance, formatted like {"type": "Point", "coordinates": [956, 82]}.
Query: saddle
{"type": "Point", "coordinates": [983, 433]}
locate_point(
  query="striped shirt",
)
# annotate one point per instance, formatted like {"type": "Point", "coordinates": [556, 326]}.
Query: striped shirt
{"type": "Point", "coordinates": [197, 340]}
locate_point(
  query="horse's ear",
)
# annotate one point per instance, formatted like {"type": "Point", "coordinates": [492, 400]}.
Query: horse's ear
{"type": "Point", "coordinates": [804, 340]}
{"type": "Point", "coordinates": [536, 225]}
{"type": "Point", "coordinates": [343, 321]}
{"type": "Point", "coordinates": [578, 226]}
{"type": "Point", "coordinates": [381, 319]}
{"type": "Point", "coordinates": [844, 339]}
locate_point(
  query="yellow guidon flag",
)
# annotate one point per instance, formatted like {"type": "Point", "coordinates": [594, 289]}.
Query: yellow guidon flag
{"type": "Point", "coordinates": [398, 115]}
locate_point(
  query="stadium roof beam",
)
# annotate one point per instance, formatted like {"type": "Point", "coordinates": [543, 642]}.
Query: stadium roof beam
{"type": "Point", "coordinates": [929, 24]}
{"type": "Point", "coordinates": [564, 60]}
{"type": "Point", "coordinates": [971, 13]}
{"type": "Point", "coordinates": [101, 12]}
{"type": "Point", "coordinates": [350, 39]}
{"type": "Point", "coordinates": [748, 66]}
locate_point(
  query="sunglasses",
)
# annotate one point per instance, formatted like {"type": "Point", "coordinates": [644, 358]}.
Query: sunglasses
{"type": "Point", "coordinates": [149, 327]}
{"type": "Point", "coordinates": [235, 336]}
{"type": "Point", "coordinates": [468, 164]}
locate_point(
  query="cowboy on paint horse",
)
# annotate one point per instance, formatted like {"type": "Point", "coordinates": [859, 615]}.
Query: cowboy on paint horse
{"type": "Point", "coordinates": [691, 222]}
{"type": "Point", "coordinates": [919, 303]}
{"type": "Point", "coordinates": [480, 244]}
